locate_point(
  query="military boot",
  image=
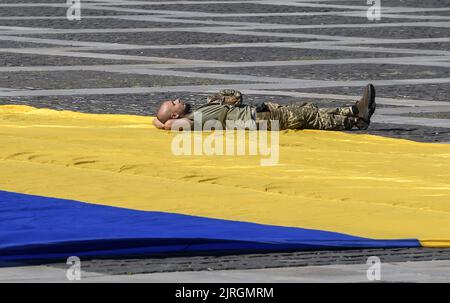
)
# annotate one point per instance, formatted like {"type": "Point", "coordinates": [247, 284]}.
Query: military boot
{"type": "Point", "coordinates": [365, 107]}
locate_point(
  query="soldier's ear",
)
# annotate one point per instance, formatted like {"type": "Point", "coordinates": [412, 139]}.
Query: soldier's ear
{"type": "Point", "coordinates": [174, 116]}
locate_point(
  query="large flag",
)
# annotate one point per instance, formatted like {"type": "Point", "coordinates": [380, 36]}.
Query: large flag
{"type": "Point", "coordinates": [109, 185]}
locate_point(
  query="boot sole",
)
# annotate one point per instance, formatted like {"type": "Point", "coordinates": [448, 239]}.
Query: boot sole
{"type": "Point", "coordinates": [373, 104]}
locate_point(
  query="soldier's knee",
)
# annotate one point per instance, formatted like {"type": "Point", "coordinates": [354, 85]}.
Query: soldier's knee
{"type": "Point", "coordinates": [310, 104]}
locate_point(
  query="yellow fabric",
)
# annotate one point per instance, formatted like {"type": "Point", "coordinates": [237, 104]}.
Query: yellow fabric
{"type": "Point", "coordinates": [356, 184]}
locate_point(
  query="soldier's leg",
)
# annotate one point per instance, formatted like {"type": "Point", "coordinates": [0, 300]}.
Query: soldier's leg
{"type": "Point", "coordinates": [323, 119]}
{"type": "Point", "coordinates": [343, 111]}
{"type": "Point", "coordinates": [263, 120]}
{"type": "Point", "coordinates": [308, 115]}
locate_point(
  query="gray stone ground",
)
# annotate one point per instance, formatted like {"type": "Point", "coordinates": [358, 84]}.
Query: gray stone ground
{"type": "Point", "coordinates": [392, 272]}
{"type": "Point", "coordinates": [126, 56]}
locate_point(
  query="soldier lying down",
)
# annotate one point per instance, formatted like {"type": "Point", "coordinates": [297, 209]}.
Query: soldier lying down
{"type": "Point", "coordinates": [228, 105]}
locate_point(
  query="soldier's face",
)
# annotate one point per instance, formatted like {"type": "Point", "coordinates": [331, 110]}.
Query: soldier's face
{"type": "Point", "coordinates": [177, 106]}
{"type": "Point", "coordinates": [172, 109]}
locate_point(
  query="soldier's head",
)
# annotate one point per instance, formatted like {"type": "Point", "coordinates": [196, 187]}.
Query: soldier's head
{"type": "Point", "coordinates": [172, 109]}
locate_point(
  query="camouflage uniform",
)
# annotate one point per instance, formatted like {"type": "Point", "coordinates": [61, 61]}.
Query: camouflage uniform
{"type": "Point", "coordinates": [306, 116]}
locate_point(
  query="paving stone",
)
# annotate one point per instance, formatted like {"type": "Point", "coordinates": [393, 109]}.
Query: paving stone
{"type": "Point", "coordinates": [16, 59]}
{"type": "Point", "coordinates": [173, 37]}
{"type": "Point", "coordinates": [305, 20]}
{"type": "Point", "coordinates": [30, 1]}
{"type": "Point", "coordinates": [433, 92]}
{"type": "Point", "coordinates": [429, 45]}
{"type": "Point", "coordinates": [230, 8]}
{"type": "Point", "coordinates": [245, 54]}
{"type": "Point", "coordinates": [367, 72]}
{"type": "Point", "coordinates": [179, 263]}
{"type": "Point", "coordinates": [93, 23]}
{"type": "Point", "coordinates": [395, 32]}
{"type": "Point", "coordinates": [401, 3]}
{"type": "Point", "coordinates": [94, 79]}
{"type": "Point", "coordinates": [18, 44]}
{"type": "Point", "coordinates": [33, 11]}
{"type": "Point", "coordinates": [434, 13]}
{"type": "Point", "coordinates": [440, 115]}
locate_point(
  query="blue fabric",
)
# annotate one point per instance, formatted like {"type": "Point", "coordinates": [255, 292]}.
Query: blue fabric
{"type": "Point", "coordinates": [35, 227]}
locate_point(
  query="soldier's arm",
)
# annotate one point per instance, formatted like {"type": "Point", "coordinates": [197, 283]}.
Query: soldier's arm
{"type": "Point", "coordinates": [157, 123]}
{"type": "Point", "coordinates": [178, 124]}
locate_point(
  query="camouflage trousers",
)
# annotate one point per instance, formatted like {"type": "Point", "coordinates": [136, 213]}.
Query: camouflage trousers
{"type": "Point", "coordinates": [307, 116]}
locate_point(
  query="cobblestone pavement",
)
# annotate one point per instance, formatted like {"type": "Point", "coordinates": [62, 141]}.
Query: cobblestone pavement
{"type": "Point", "coordinates": [126, 56]}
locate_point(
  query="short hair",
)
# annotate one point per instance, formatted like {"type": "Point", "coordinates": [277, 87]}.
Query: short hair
{"type": "Point", "coordinates": [163, 113]}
